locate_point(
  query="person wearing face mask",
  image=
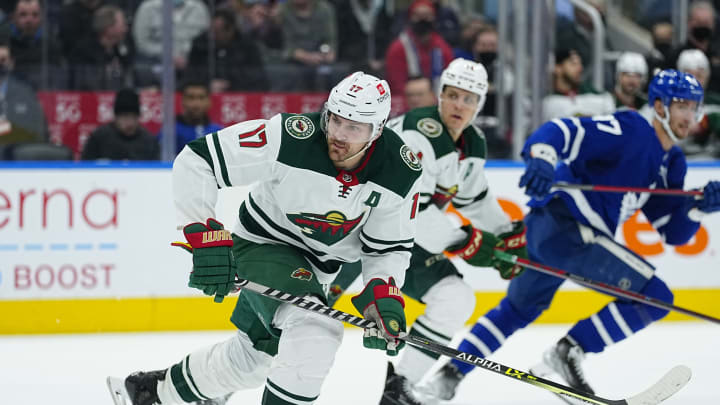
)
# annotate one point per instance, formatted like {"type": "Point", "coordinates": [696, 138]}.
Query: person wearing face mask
{"type": "Point", "coordinates": [701, 32]}
{"type": "Point", "coordinates": [418, 50]}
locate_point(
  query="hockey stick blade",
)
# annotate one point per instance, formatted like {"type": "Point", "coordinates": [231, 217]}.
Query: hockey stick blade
{"type": "Point", "coordinates": [658, 392]}
{"type": "Point", "coordinates": [668, 385]}
{"type": "Point", "coordinates": [117, 390]}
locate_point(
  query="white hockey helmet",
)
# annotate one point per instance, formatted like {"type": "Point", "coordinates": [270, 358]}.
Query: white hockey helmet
{"type": "Point", "coordinates": [632, 62]}
{"type": "Point", "coordinates": [360, 97]}
{"type": "Point", "coordinates": [467, 75]}
{"type": "Point", "coordinates": [693, 59]}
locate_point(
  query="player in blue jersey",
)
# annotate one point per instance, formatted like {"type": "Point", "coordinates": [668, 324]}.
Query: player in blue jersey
{"type": "Point", "coordinates": [574, 230]}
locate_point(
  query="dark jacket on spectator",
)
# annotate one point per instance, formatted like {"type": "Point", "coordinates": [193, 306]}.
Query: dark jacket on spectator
{"type": "Point", "coordinates": [356, 44]}
{"type": "Point", "coordinates": [23, 110]}
{"type": "Point", "coordinates": [93, 68]}
{"type": "Point", "coordinates": [27, 53]}
{"type": "Point", "coordinates": [106, 142]}
{"type": "Point", "coordinates": [240, 62]}
{"type": "Point", "coordinates": [75, 25]}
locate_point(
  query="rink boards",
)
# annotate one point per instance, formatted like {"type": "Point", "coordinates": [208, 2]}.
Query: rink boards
{"type": "Point", "coordinates": [86, 248]}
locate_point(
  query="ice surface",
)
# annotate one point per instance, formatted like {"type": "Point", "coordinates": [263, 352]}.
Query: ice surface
{"type": "Point", "coordinates": [71, 369]}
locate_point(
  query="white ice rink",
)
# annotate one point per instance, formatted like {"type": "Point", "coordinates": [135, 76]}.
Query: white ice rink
{"type": "Point", "coordinates": [71, 369]}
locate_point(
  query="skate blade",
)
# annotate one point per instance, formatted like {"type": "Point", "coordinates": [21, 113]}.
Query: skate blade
{"type": "Point", "coordinates": [117, 390]}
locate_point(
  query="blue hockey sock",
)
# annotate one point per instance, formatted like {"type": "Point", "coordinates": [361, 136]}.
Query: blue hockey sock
{"type": "Point", "coordinates": [490, 332]}
{"type": "Point", "coordinates": [620, 319]}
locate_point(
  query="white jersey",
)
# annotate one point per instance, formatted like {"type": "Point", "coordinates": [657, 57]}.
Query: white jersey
{"type": "Point", "coordinates": [299, 198]}
{"type": "Point", "coordinates": [584, 104]}
{"type": "Point", "coordinates": [452, 172]}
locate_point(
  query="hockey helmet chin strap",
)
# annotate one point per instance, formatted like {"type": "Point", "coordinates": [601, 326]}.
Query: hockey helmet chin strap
{"type": "Point", "coordinates": [665, 122]}
{"type": "Point", "coordinates": [324, 126]}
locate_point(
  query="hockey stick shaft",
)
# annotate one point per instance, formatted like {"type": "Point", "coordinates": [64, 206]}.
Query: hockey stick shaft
{"type": "Point", "coordinates": [617, 189]}
{"type": "Point", "coordinates": [428, 344]}
{"type": "Point", "coordinates": [606, 288]}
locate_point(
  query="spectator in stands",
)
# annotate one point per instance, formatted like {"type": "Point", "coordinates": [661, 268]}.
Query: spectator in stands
{"type": "Point", "coordinates": [232, 62]}
{"type": "Point", "coordinates": [419, 93]}
{"type": "Point", "coordinates": [76, 23]}
{"type": "Point", "coordinates": [701, 35]}
{"type": "Point", "coordinates": [190, 19]}
{"type": "Point", "coordinates": [103, 61]}
{"type": "Point", "coordinates": [569, 98]}
{"type": "Point", "coordinates": [660, 56]}
{"type": "Point", "coordinates": [193, 122]}
{"type": "Point", "coordinates": [26, 42]}
{"type": "Point", "coordinates": [123, 138]}
{"type": "Point", "coordinates": [704, 139]}
{"type": "Point", "coordinates": [630, 77]}
{"type": "Point", "coordinates": [578, 35]}
{"type": "Point", "coordinates": [447, 23]}
{"type": "Point", "coordinates": [364, 32]}
{"type": "Point", "coordinates": [22, 119]}
{"type": "Point", "coordinates": [419, 50]}
{"type": "Point", "coordinates": [485, 50]}
{"type": "Point", "coordinates": [468, 36]}
{"type": "Point", "coordinates": [258, 21]}
{"type": "Point", "coordinates": [310, 43]}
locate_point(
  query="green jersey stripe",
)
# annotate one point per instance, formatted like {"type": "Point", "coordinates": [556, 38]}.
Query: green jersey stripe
{"type": "Point", "coordinates": [296, 397]}
{"type": "Point", "coordinates": [221, 159]}
{"type": "Point", "coordinates": [368, 249]}
{"type": "Point", "coordinates": [433, 331]}
{"type": "Point", "coordinates": [386, 242]}
{"type": "Point", "coordinates": [181, 385]}
{"type": "Point", "coordinates": [186, 370]}
{"type": "Point", "coordinates": [479, 197]}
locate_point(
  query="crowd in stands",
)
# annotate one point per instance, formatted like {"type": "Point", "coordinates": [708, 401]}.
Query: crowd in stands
{"type": "Point", "coordinates": [221, 46]}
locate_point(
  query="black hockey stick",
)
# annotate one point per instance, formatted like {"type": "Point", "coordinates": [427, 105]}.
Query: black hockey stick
{"type": "Point", "coordinates": [668, 385]}
{"type": "Point", "coordinates": [586, 282]}
{"type": "Point", "coordinates": [606, 288]}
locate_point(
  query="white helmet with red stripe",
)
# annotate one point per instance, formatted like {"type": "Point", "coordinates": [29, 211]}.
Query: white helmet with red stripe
{"type": "Point", "coordinates": [363, 98]}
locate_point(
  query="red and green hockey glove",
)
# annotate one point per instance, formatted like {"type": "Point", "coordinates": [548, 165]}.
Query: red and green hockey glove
{"type": "Point", "coordinates": [477, 248]}
{"type": "Point", "coordinates": [213, 264]}
{"type": "Point", "coordinates": [514, 243]}
{"type": "Point", "coordinates": [382, 303]}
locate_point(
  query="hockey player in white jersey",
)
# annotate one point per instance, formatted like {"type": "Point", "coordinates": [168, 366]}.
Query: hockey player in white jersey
{"type": "Point", "coordinates": [574, 230]}
{"type": "Point", "coordinates": [453, 154]}
{"type": "Point", "coordinates": [331, 187]}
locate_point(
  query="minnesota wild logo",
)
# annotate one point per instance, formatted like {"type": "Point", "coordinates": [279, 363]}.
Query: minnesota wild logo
{"type": "Point", "coordinates": [299, 126]}
{"type": "Point", "coordinates": [302, 274]}
{"type": "Point", "coordinates": [430, 127]}
{"type": "Point", "coordinates": [328, 229]}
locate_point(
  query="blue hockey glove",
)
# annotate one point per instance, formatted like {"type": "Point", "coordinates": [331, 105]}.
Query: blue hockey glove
{"type": "Point", "coordinates": [711, 198]}
{"type": "Point", "coordinates": [540, 171]}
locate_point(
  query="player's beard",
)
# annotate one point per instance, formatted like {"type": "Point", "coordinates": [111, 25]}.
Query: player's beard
{"type": "Point", "coordinates": [340, 151]}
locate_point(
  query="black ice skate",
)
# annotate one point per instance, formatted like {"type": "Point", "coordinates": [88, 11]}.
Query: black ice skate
{"type": "Point", "coordinates": [398, 390]}
{"type": "Point", "coordinates": [140, 388]}
{"type": "Point", "coordinates": [565, 359]}
{"type": "Point", "coordinates": [443, 384]}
